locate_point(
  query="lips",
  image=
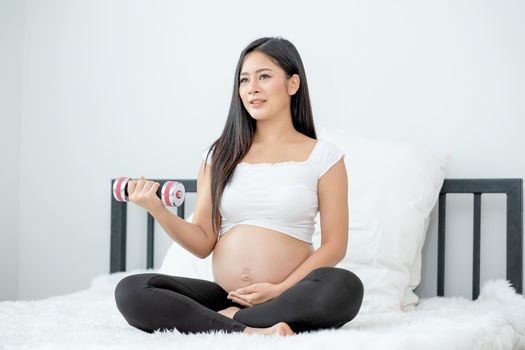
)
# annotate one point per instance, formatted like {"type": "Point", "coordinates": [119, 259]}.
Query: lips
{"type": "Point", "coordinates": [256, 101]}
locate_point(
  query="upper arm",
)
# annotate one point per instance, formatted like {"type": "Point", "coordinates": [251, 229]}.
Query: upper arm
{"type": "Point", "coordinates": [203, 208]}
{"type": "Point", "coordinates": [333, 205]}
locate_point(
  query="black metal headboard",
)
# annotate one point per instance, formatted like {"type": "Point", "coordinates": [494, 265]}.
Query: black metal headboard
{"type": "Point", "coordinates": [513, 188]}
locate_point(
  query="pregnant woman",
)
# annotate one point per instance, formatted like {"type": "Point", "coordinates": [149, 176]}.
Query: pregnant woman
{"type": "Point", "coordinates": [259, 188]}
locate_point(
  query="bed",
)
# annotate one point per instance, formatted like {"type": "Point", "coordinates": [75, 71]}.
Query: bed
{"type": "Point", "coordinates": [494, 318]}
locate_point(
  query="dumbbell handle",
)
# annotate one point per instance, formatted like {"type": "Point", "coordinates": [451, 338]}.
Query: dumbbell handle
{"type": "Point", "coordinates": [172, 193]}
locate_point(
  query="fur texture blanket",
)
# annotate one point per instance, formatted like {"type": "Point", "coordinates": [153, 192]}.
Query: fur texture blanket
{"type": "Point", "coordinates": [89, 319]}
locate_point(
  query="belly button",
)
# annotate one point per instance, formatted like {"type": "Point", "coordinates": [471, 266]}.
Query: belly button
{"type": "Point", "coordinates": [246, 276]}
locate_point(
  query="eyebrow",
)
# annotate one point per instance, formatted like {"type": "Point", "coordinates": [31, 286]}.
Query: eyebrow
{"type": "Point", "coordinates": [257, 71]}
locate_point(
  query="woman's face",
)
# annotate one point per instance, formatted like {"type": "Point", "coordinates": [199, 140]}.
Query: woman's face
{"type": "Point", "coordinates": [264, 88]}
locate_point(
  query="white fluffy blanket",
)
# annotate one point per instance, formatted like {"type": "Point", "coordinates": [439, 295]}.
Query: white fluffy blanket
{"type": "Point", "coordinates": [89, 319]}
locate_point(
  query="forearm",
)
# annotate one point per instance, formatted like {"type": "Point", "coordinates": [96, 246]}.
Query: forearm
{"type": "Point", "coordinates": [190, 236]}
{"type": "Point", "coordinates": [328, 255]}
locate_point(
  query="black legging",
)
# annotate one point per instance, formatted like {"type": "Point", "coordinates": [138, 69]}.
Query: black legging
{"type": "Point", "coordinates": [327, 297]}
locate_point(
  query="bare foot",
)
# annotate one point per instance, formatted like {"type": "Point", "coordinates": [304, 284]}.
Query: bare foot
{"type": "Point", "coordinates": [280, 328]}
{"type": "Point", "coordinates": [230, 311]}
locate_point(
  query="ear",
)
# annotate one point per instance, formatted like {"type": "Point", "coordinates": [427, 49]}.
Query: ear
{"type": "Point", "coordinates": [293, 84]}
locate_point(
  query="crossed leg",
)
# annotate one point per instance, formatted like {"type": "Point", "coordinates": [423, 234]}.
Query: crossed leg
{"type": "Point", "coordinates": [327, 297]}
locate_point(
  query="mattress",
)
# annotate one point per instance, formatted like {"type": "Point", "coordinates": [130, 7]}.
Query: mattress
{"type": "Point", "coordinates": [89, 319]}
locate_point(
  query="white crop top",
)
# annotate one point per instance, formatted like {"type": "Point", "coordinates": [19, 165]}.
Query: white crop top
{"type": "Point", "coordinates": [278, 196]}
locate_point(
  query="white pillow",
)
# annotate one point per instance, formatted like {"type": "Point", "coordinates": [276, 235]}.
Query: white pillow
{"type": "Point", "coordinates": [392, 189]}
{"type": "Point", "coordinates": [180, 262]}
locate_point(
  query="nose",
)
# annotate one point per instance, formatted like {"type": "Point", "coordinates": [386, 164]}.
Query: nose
{"type": "Point", "coordinates": [253, 86]}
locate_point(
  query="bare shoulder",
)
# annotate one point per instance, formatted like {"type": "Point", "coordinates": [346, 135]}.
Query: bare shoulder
{"type": "Point", "coordinates": [304, 142]}
{"type": "Point", "coordinates": [301, 138]}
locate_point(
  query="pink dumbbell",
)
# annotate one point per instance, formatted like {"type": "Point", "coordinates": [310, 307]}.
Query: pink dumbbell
{"type": "Point", "coordinates": [172, 193]}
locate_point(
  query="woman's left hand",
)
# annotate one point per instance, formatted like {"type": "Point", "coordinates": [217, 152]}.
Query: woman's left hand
{"type": "Point", "coordinates": [253, 294]}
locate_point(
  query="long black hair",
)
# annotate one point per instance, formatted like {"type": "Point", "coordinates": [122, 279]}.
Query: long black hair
{"type": "Point", "coordinates": [237, 135]}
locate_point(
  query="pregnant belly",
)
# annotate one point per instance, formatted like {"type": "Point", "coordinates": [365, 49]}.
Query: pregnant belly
{"type": "Point", "coordinates": [249, 254]}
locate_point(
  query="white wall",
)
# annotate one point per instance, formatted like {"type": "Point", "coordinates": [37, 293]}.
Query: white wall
{"type": "Point", "coordinates": [11, 45]}
{"type": "Point", "coordinates": [140, 88]}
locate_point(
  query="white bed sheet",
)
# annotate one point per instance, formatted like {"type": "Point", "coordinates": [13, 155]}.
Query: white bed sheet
{"type": "Point", "coordinates": [89, 319]}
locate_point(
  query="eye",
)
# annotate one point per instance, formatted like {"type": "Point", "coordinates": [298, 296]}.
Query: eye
{"type": "Point", "coordinates": [242, 80]}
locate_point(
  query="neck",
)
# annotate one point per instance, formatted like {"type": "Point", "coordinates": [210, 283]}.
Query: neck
{"type": "Point", "coordinates": [275, 130]}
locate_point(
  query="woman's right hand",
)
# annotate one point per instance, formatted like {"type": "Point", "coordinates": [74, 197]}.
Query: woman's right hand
{"type": "Point", "coordinates": [144, 193]}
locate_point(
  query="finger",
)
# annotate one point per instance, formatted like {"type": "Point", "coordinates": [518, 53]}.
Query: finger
{"type": "Point", "coordinates": [140, 184]}
{"type": "Point", "coordinates": [241, 301]}
{"type": "Point", "coordinates": [246, 297]}
{"type": "Point", "coordinates": [245, 290]}
{"type": "Point", "coordinates": [154, 187]}
{"type": "Point", "coordinates": [131, 187]}
{"type": "Point", "coordinates": [235, 295]}
{"type": "Point", "coordinates": [147, 186]}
